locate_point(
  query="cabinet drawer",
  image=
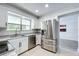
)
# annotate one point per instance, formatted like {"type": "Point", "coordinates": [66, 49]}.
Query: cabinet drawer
{"type": "Point", "coordinates": [50, 48]}
{"type": "Point", "coordinates": [49, 42]}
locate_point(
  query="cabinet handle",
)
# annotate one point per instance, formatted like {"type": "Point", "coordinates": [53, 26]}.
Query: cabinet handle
{"type": "Point", "coordinates": [6, 24]}
{"type": "Point", "coordinates": [20, 44]}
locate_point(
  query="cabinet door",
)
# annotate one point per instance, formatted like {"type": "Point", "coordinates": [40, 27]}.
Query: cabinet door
{"type": "Point", "coordinates": [15, 44]}
{"type": "Point", "coordinates": [24, 44]}
{"type": "Point", "coordinates": [3, 17]}
{"type": "Point", "coordinates": [38, 38]}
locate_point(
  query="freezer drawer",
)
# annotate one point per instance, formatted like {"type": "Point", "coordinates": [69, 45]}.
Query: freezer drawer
{"type": "Point", "coordinates": [49, 45]}
{"type": "Point", "coordinates": [49, 42]}
{"type": "Point", "coordinates": [50, 48]}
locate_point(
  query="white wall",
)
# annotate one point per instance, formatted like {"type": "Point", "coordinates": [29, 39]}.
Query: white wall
{"type": "Point", "coordinates": [69, 39]}
{"type": "Point", "coordinates": [71, 22]}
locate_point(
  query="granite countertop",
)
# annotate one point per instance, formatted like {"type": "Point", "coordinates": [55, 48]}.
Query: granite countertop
{"type": "Point", "coordinates": [9, 37]}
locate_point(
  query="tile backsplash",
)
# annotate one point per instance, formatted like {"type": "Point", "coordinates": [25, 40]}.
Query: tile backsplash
{"type": "Point", "coordinates": [4, 32]}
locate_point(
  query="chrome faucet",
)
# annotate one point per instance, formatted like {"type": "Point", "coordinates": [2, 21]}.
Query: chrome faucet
{"type": "Point", "coordinates": [16, 32]}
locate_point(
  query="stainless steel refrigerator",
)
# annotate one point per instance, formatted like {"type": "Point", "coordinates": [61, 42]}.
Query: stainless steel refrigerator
{"type": "Point", "coordinates": [49, 35]}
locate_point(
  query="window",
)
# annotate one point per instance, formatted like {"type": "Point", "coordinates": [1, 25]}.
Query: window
{"type": "Point", "coordinates": [18, 23]}
{"type": "Point", "coordinates": [26, 24]}
{"type": "Point", "coordinates": [13, 23]}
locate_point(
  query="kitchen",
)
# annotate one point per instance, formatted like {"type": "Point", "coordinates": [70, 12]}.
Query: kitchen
{"type": "Point", "coordinates": [22, 31]}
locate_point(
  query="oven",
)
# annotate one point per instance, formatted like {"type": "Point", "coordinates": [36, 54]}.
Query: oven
{"type": "Point", "coordinates": [3, 46]}
{"type": "Point", "coordinates": [6, 48]}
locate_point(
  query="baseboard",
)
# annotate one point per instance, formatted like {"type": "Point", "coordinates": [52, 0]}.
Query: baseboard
{"type": "Point", "coordinates": [66, 49]}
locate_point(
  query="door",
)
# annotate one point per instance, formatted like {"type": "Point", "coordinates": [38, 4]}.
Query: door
{"type": "Point", "coordinates": [49, 29]}
{"type": "Point", "coordinates": [15, 44]}
{"type": "Point", "coordinates": [38, 39]}
{"type": "Point", "coordinates": [23, 44]}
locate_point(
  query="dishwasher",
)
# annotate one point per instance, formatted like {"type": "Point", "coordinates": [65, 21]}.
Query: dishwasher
{"type": "Point", "coordinates": [31, 41]}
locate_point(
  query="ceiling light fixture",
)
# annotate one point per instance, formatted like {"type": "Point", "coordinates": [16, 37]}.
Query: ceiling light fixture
{"type": "Point", "coordinates": [36, 10]}
{"type": "Point", "coordinates": [46, 5]}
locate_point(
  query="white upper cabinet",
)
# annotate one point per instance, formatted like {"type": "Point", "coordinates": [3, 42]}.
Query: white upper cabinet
{"type": "Point", "coordinates": [3, 17]}
{"type": "Point", "coordinates": [43, 25]}
{"type": "Point", "coordinates": [38, 39]}
{"type": "Point", "coordinates": [37, 24]}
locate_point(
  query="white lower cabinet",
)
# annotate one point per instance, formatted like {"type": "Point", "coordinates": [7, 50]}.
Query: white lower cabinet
{"type": "Point", "coordinates": [15, 44]}
{"type": "Point", "coordinates": [20, 44]}
{"type": "Point", "coordinates": [23, 44]}
{"type": "Point", "coordinates": [38, 39]}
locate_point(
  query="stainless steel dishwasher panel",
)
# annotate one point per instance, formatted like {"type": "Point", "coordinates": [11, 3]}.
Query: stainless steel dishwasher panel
{"type": "Point", "coordinates": [31, 41]}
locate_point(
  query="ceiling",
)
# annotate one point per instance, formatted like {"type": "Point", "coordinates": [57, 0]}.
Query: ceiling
{"type": "Point", "coordinates": [53, 7]}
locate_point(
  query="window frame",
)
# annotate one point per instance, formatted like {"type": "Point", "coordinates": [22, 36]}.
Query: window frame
{"type": "Point", "coordinates": [21, 18]}
{"type": "Point", "coordinates": [26, 25]}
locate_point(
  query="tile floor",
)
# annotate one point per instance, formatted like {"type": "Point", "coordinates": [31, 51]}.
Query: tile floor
{"type": "Point", "coordinates": [38, 51]}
